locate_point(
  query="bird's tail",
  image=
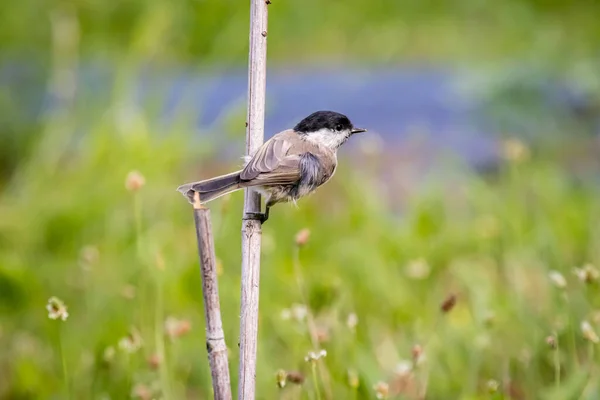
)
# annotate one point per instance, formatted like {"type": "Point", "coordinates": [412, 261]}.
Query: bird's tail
{"type": "Point", "coordinates": [213, 188]}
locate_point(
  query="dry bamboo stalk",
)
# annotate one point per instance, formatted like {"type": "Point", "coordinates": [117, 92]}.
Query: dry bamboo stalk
{"type": "Point", "coordinates": [251, 228]}
{"type": "Point", "coordinates": [215, 338]}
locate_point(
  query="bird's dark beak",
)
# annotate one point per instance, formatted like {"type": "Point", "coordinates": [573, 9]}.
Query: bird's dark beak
{"type": "Point", "coordinates": [357, 130]}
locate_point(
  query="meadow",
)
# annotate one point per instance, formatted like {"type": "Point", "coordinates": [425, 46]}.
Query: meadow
{"type": "Point", "coordinates": [464, 285]}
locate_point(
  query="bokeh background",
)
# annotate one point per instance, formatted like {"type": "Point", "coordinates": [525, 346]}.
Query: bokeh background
{"type": "Point", "coordinates": [453, 256]}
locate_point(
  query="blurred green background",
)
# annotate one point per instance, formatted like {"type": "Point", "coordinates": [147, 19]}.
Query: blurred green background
{"type": "Point", "coordinates": [507, 229]}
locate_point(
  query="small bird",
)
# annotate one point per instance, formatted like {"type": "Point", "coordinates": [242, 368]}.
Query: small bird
{"type": "Point", "coordinates": [290, 165]}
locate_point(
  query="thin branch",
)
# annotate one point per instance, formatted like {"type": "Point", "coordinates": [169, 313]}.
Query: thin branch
{"type": "Point", "coordinates": [251, 229]}
{"type": "Point", "coordinates": [215, 338]}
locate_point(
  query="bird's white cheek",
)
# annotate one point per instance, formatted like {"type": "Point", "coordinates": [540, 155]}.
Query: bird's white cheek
{"type": "Point", "coordinates": [327, 138]}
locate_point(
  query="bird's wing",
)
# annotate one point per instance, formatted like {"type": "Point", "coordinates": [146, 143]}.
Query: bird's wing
{"type": "Point", "coordinates": [287, 173]}
{"type": "Point", "coordinates": [272, 165]}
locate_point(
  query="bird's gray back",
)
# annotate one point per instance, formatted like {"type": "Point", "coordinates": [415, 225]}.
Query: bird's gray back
{"type": "Point", "coordinates": [281, 155]}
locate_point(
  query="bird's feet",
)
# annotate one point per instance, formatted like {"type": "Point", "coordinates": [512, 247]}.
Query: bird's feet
{"type": "Point", "coordinates": [262, 217]}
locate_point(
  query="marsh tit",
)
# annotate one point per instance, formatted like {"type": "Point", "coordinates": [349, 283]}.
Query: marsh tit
{"type": "Point", "coordinates": [290, 165]}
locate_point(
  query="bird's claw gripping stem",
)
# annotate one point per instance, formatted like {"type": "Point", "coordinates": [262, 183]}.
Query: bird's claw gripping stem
{"type": "Point", "coordinates": [262, 217]}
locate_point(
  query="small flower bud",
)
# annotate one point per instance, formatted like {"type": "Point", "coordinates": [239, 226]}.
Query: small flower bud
{"type": "Point", "coordinates": [141, 392]}
{"type": "Point", "coordinates": [551, 341]}
{"type": "Point", "coordinates": [352, 379]}
{"type": "Point", "coordinates": [588, 332]}
{"type": "Point", "coordinates": [403, 368]}
{"type": "Point", "coordinates": [417, 354]}
{"type": "Point", "coordinates": [132, 342]}
{"type": "Point", "coordinates": [314, 357]}
{"type": "Point", "coordinates": [154, 361]}
{"type": "Point", "coordinates": [352, 321]}
{"type": "Point", "coordinates": [322, 334]}
{"type": "Point", "coordinates": [382, 390]}
{"type": "Point", "coordinates": [492, 386]}
{"type": "Point", "coordinates": [57, 309]}
{"type": "Point", "coordinates": [295, 377]}
{"type": "Point", "coordinates": [558, 279]}
{"type": "Point", "coordinates": [299, 312]}
{"type": "Point", "coordinates": [418, 269]}
{"type": "Point", "coordinates": [134, 181]}
{"type": "Point", "coordinates": [302, 237]}
{"type": "Point", "coordinates": [281, 378]}
{"type": "Point", "coordinates": [587, 274]}
{"type": "Point", "coordinates": [176, 328]}
{"type": "Point", "coordinates": [448, 304]}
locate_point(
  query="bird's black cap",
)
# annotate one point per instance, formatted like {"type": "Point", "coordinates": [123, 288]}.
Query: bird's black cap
{"type": "Point", "coordinates": [325, 120]}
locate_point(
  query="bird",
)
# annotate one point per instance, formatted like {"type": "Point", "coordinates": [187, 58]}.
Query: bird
{"type": "Point", "coordinates": [290, 165]}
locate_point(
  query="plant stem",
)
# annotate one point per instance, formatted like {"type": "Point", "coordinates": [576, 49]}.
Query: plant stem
{"type": "Point", "coordinates": [557, 363]}
{"type": "Point", "coordinates": [252, 228]}
{"type": "Point", "coordinates": [159, 342]}
{"type": "Point", "coordinates": [312, 328]}
{"type": "Point", "coordinates": [571, 331]}
{"type": "Point", "coordinates": [315, 379]}
{"type": "Point", "coordinates": [64, 362]}
{"type": "Point", "coordinates": [215, 337]}
{"type": "Point", "coordinates": [137, 215]}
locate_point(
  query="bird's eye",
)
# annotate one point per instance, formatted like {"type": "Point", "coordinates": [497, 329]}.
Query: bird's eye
{"type": "Point", "coordinates": [338, 127]}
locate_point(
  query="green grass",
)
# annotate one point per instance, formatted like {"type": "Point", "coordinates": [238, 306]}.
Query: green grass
{"type": "Point", "coordinates": [490, 240]}
{"type": "Point", "coordinates": [383, 31]}
{"type": "Point", "coordinates": [125, 262]}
